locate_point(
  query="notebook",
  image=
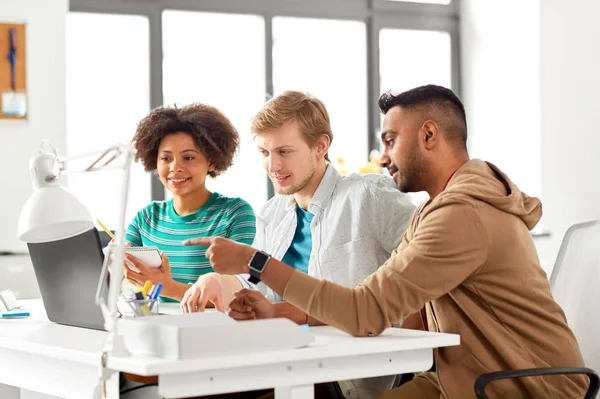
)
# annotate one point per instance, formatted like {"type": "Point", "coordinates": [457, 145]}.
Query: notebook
{"type": "Point", "coordinates": [149, 255]}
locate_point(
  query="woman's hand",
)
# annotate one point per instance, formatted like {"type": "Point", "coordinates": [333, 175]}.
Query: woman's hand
{"type": "Point", "coordinates": [109, 248]}
{"type": "Point", "coordinates": [171, 288]}
{"type": "Point", "coordinates": [207, 288]}
{"type": "Point", "coordinates": [156, 275]}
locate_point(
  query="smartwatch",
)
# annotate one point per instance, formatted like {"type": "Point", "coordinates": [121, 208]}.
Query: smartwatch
{"type": "Point", "coordinates": [257, 265]}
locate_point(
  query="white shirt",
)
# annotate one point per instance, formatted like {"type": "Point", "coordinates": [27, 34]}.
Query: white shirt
{"type": "Point", "coordinates": [358, 221]}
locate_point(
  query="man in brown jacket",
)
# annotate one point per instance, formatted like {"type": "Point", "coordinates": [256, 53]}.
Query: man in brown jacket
{"type": "Point", "coordinates": [467, 264]}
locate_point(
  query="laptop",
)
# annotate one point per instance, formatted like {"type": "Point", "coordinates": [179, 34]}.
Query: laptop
{"type": "Point", "coordinates": [68, 272]}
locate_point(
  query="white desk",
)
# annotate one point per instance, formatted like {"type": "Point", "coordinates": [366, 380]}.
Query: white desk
{"type": "Point", "coordinates": [64, 361]}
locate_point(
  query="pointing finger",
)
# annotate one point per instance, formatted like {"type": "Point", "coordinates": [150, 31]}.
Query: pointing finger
{"type": "Point", "coordinates": [206, 241]}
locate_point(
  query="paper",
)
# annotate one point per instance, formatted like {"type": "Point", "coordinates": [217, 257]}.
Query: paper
{"type": "Point", "coordinates": [14, 103]}
{"type": "Point", "coordinates": [7, 297]}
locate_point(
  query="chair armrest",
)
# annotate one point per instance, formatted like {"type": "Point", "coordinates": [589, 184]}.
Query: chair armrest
{"type": "Point", "coordinates": [484, 379]}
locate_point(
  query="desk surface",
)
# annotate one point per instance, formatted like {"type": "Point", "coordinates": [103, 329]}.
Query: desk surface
{"type": "Point", "coordinates": [37, 336]}
{"type": "Point", "coordinates": [66, 361]}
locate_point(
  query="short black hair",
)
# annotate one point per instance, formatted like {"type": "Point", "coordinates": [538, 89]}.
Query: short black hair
{"type": "Point", "coordinates": [431, 96]}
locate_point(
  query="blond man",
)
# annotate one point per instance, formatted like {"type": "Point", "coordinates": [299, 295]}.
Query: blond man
{"type": "Point", "coordinates": [329, 226]}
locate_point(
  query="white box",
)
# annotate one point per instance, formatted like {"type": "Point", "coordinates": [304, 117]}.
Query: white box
{"type": "Point", "coordinates": [197, 335]}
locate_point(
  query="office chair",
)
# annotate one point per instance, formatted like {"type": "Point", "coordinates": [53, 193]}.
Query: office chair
{"type": "Point", "coordinates": [575, 285]}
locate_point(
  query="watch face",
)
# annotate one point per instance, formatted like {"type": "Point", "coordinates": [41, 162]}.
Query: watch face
{"type": "Point", "coordinates": [259, 261]}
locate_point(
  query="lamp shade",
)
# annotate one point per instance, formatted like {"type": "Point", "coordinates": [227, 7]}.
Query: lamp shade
{"type": "Point", "coordinates": [52, 213]}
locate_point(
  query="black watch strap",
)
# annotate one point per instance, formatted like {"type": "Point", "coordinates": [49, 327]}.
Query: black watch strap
{"type": "Point", "coordinates": [257, 266]}
{"type": "Point", "coordinates": [253, 279]}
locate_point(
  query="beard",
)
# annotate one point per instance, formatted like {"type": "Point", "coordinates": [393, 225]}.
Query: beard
{"type": "Point", "coordinates": [298, 187]}
{"type": "Point", "coordinates": [410, 176]}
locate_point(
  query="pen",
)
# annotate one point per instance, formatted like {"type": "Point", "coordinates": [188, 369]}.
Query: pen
{"type": "Point", "coordinates": [12, 55]}
{"type": "Point", "coordinates": [147, 286]}
{"type": "Point", "coordinates": [105, 229]}
{"type": "Point", "coordinates": [157, 291]}
{"type": "Point", "coordinates": [150, 292]}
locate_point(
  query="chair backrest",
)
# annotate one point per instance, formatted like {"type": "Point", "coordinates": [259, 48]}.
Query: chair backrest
{"type": "Point", "coordinates": [575, 283]}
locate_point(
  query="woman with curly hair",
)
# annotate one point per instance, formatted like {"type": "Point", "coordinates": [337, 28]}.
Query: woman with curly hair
{"type": "Point", "coordinates": [183, 146]}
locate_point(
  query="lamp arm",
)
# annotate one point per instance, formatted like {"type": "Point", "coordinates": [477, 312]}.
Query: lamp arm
{"type": "Point", "coordinates": [106, 156]}
{"type": "Point", "coordinates": [46, 167]}
{"type": "Point", "coordinates": [114, 343]}
{"type": "Point", "coordinates": [116, 266]}
{"type": "Point", "coordinates": [119, 259]}
{"type": "Point", "coordinates": [78, 171]}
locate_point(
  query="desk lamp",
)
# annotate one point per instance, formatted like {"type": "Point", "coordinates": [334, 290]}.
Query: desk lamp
{"type": "Point", "coordinates": [52, 213]}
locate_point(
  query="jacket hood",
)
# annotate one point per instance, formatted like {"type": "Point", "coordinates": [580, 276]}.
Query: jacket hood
{"type": "Point", "coordinates": [485, 182]}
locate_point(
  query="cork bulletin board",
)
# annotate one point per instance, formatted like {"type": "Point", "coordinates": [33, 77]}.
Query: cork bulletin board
{"type": "Point", "coordinates": [13, 81]}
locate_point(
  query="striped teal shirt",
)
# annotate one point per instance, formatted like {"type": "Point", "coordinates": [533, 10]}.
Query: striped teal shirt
{"type": "Point", "coordinates": [158, 225]}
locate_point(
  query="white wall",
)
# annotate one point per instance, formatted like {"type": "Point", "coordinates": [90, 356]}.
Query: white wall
{"type": "Point", "coordinates": [500, 69]}
{"type": "Point", "coordinates": [531, 74]}
{"type": "Point", "coordinates": [45, 55]}
{"type": "Point", "coordinates": [570, 87]}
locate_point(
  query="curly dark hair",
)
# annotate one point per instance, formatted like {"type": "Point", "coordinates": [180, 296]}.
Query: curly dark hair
{"type": "Point", "coordinates": [213, 133]}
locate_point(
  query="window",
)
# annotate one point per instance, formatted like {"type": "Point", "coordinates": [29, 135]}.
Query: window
{"type": "Point", "coordinates": [411, 58]}
{"type": "Point", "coordinates": [329, 60]}
{"type": "Point", "coordinates": [214, 52]}
{"type": "Point", "coordinates": [107, 94]}
{"type": "Point", "coordinates": [207, 61]}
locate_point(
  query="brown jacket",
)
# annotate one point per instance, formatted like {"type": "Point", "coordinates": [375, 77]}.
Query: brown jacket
{"type": "Point", "coordinates": [469, 260]}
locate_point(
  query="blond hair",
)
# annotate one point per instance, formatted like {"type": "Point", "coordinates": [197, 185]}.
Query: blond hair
{"type": "Point", "coordinates": [308, 111]}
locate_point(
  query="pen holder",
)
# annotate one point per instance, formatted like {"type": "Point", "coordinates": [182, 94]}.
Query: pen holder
{"type": "Point", "coordinates": [142, 307]}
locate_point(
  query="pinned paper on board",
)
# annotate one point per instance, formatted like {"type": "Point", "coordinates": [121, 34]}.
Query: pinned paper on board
{"type": "Point", "coordinates": [13, 98]}
{"type": "Point", "coordinates": [14, 104]}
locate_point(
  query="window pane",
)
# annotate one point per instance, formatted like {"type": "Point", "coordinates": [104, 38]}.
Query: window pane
{"type": "Point", "coordinates": [411, 58]}
{"type": "Point", "coordinates": [327, 58]}
{"type": "Point", "coordinates": [107, 94]}
{"type": "Point", "coordinates": [218, 59]}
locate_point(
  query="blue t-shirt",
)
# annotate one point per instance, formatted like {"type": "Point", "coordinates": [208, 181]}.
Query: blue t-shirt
{"type": "Point", "coordinates": [298, 254]}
